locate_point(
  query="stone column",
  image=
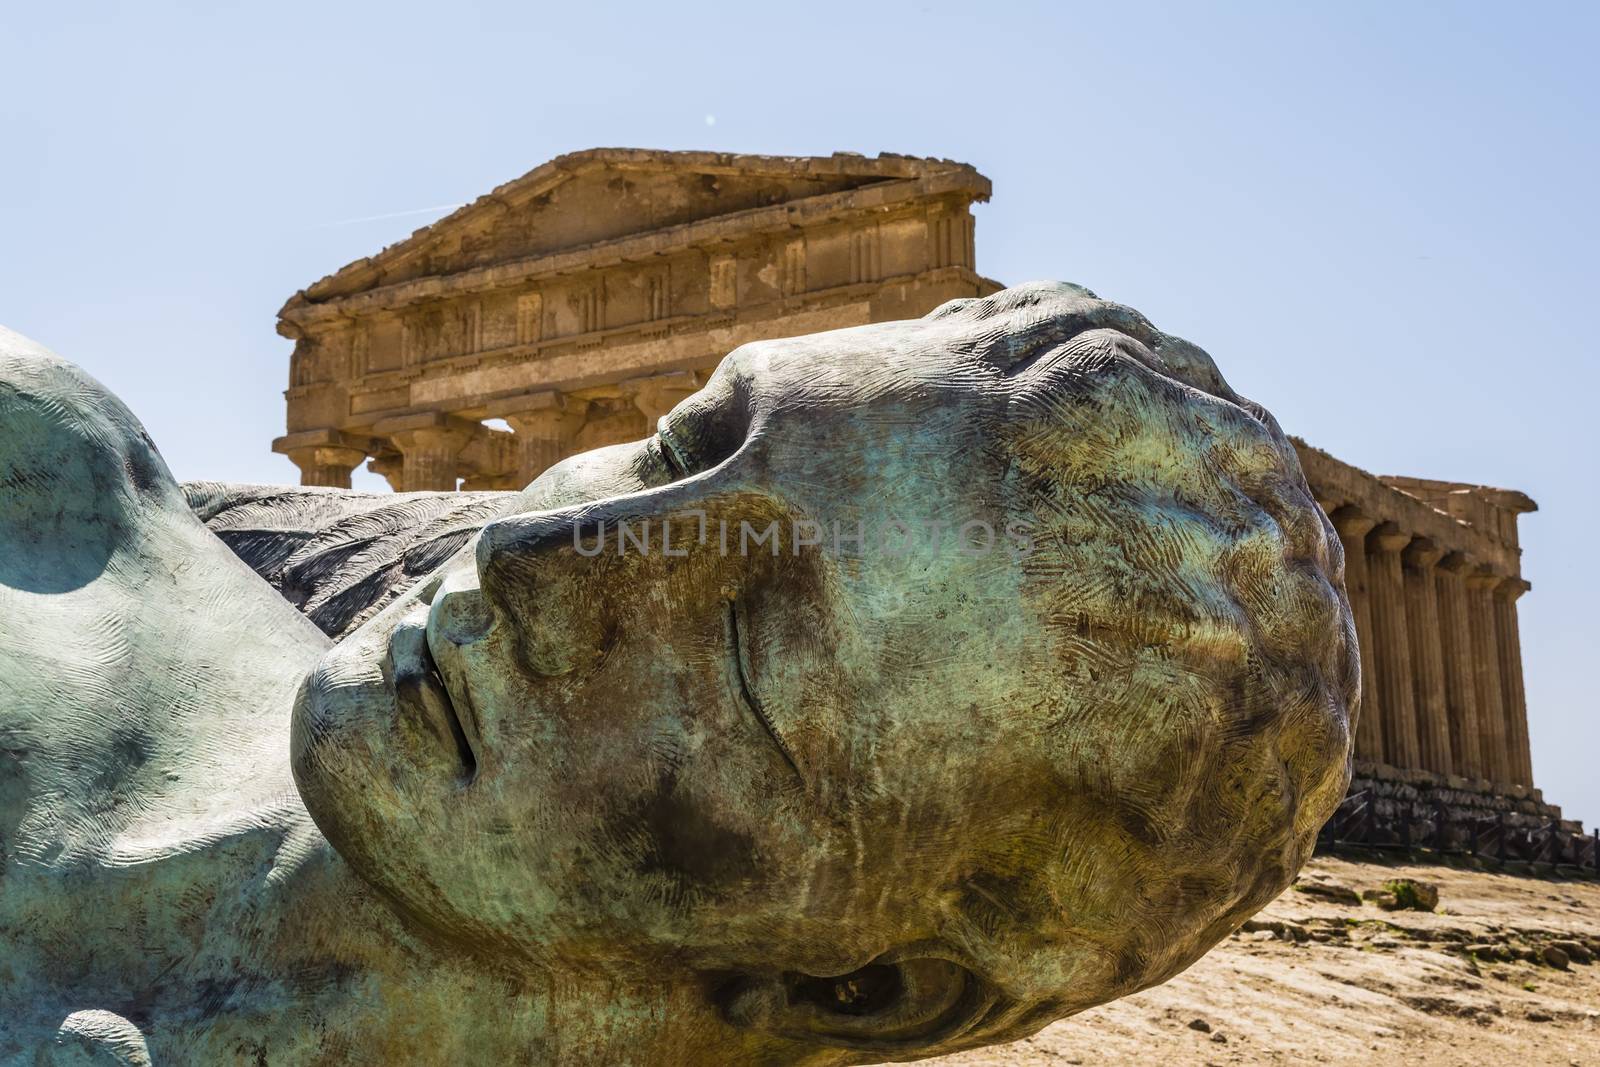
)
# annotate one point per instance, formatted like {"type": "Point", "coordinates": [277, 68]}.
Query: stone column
{"type": "Point", "coordinates": [657, 395]}
{"type": "Point", "coordinates": [1461, 698]}
{"type": "Point", "coordinates": [388, 466]}
{"type": "Point", "coordinates": [1353, 524]}
{"type": "Point", "coordinates": [326, 464]}
{"type": "Point", "coordinates": [1427, 656]}
{"type": "Point", "coordinates": [428, 457]}
{"type": "Point", "coordinates": [1512, 695]}
{"type": "Point", "coordinates": [1481, 584]}
{"type": "Point", "coordinates": [1392, 643]}
{"type": "Point", "coordinates": [492, 459]}
{"type": "Point", "coordinates": [545, 424]}
{"type": "Point", "coordinates": [430, 444]}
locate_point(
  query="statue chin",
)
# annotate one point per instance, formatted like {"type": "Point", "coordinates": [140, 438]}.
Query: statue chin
{"type": "Point", "coordinates": [913, 686]}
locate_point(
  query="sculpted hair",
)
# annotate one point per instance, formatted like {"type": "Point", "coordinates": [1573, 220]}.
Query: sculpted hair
{"type": "Point", "coordinates": [1200, 672]}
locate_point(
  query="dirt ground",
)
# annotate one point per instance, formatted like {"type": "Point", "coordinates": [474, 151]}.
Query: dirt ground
{"type": "Point", "coordinates": [1315, 980]}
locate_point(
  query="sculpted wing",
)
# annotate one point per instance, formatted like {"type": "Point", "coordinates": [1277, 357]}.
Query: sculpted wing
{"type": "Point", "coordinates": [339, 555]}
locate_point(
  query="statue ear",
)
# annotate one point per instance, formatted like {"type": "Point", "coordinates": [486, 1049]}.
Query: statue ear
{"type": "Point", "coordinates": [901, 1006]}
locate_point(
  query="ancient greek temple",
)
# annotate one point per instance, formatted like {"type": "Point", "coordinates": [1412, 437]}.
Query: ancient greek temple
{"type": "Point", "coordinates": [573, 306]}
{"type": "Point", "coordinates": [583, 300]}
{"type": "Point", "coordinates": [1433, 570]}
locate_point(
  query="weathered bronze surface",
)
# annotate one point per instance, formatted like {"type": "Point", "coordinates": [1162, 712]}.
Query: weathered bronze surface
{"type": "Point", "coordinates": [570, 308]}
{"type": "Point", "coordinates": [1037, 679]}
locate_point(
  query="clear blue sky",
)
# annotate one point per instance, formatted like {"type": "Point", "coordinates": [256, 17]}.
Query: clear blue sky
{"type": "Point", "coordinates": [1379, 218]}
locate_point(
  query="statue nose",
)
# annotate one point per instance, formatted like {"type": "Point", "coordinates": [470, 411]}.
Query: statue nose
{"type": "Point", "coordinates": [551, 599]}
{"type": "Point", "coordinates": [564, 580]}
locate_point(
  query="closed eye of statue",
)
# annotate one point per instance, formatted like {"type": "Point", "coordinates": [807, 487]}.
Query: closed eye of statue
{"type": "Point", "coordinates": [674, 456]}
{"type": "Point", "coordinates": [701, 434]}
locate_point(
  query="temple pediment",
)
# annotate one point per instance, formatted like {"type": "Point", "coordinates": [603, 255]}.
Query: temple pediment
{"type": "Point", "coordinates": [587, 198]}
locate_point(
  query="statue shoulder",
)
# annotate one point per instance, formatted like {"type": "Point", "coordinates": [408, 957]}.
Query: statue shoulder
{"type": "Point", "coordinates": [338, 555]}
{"type": "Point", "coordinates": [72, 463]}
{"type": "Point", "coordinates": [75, 465]}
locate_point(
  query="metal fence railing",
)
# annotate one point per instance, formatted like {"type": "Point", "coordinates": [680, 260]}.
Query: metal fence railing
{"type": "Point", "coordinates": [1418, 827]}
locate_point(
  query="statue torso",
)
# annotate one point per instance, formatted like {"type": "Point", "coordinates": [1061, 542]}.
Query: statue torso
{"type": "Point", "coordinates": [147, 676]}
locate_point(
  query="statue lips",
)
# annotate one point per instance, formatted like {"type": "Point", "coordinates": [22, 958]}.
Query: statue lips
{"type": "Point", "coordinates": [420, 691]}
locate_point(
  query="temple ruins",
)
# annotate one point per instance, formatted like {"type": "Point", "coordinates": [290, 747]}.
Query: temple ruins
{"type": "Point", "coordinates": [583, 300]}
{"type": "Point", "coordinates": [580, 302]}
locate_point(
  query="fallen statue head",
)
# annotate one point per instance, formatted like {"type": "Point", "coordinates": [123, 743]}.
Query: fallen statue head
{"type": "Point", "coordinates": [913, 686]}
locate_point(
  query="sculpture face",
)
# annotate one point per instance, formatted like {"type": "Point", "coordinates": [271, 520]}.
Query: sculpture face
{"type": "Point", "coordinates": [1074, 704]}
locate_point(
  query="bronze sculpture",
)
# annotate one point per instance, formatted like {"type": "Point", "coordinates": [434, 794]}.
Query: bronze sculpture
{"type": "Point", "coordinates": [915, 685]}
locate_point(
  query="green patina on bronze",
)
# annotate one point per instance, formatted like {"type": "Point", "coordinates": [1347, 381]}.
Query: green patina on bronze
{"type": "Point", "coordinates": [834, 804]}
